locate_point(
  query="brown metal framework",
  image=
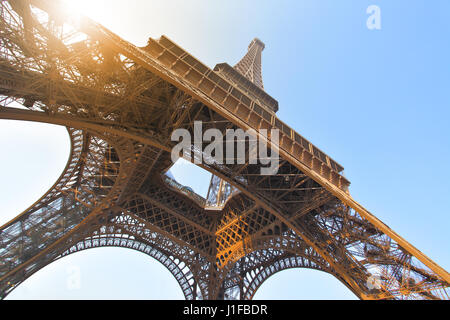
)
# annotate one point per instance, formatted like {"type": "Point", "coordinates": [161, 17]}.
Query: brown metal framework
{"type": "Point", "coordinates": [120, 104]}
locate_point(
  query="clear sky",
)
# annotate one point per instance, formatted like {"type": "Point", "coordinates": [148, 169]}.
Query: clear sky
{"type": "Point", "coordinates": [377, 101]}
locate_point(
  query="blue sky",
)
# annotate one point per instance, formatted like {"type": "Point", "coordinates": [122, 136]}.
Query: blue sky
{"type": "Point", "coordinates": [377, 101]}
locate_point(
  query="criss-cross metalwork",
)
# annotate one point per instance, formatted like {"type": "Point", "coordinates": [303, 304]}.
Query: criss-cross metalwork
{"type": "Point", "coordinates": [120, 104]}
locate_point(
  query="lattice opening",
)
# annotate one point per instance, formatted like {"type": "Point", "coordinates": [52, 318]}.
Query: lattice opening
{"type": "Point", "coordinates": [191, 179]}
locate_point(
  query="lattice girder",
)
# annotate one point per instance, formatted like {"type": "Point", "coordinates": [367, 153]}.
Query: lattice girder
{"type": "Point", "coordinates": [180, 271]}
{"type": "Point", "coordinates": [90, 184]}
{"type": "Point", "coordinates": [87, 78]}
{"type": "Point", "coordinates": [127, 231]}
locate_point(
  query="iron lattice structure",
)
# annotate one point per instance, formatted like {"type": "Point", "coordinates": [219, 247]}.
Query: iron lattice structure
{"type": "Point", "coordinates": [120, 104]}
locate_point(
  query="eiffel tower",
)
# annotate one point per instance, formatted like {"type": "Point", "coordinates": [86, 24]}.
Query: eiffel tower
{"type": "Point", "coordinates": [120, 103]}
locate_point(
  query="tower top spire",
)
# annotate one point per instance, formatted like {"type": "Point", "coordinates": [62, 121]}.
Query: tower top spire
{"type": "Point", "coordinates": [247, 75]}
{"type": "Point", "coordinates": [250, 64]}
{"type": "Point", "coordinates": [256, 42]}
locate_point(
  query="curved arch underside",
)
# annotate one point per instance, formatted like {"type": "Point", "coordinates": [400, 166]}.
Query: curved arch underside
{"type": "Point", "coordinates": [176, 267]}
{"type": "Point", "coordinates": [121, 104]}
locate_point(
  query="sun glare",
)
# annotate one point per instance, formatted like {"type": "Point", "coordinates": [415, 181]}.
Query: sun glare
{"type": "Point", "coordinates": [94, 9]}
